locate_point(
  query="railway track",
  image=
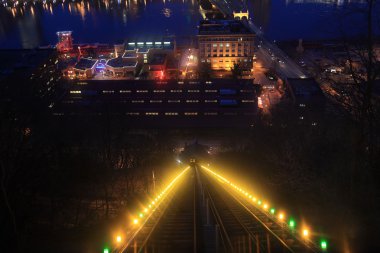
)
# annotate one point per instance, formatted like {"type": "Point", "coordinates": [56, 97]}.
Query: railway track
{"type": "Point", "coordinates": [201, 214]}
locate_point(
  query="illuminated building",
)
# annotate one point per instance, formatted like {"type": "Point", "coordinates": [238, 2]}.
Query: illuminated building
{"type": "Point", "coordinates": [222, 43]}
{"type": "Point", "coordinates": [85, 68]}
{"type": "Point", "coordinates": [217, 102]}
{"type": "Point", "coordinates": [124, 65]}
{"type": "Point", "coordinates": [65, 41]}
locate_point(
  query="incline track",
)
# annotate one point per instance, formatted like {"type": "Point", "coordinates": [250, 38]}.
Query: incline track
{"type": "Point", "coordinates": [203, 215]}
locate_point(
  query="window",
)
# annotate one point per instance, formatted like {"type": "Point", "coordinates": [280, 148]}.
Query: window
{"type": "Point", "coordinates": [210, 113]}
{"type": "Point", "coordinates": [125, 91]}
{"type": "Point", "coordinates": [108, 91]}
{"type": "Point", "coordinates": [142, 91]}
{"type": "Point", "coordinates": [151, 113]}
{"type": "Point", "coordinates": [208, 91]}
{"type": "Point", "coordinates": [137, 101]}
{"type": "Point", "coordinates": [132, 113]}
{"type": "Point", "coordinates": [191, 113]}
{"type": "Point", "coordinates": [176, 91]}
{"type": "Point", "coordinates": [193, 91]}
{"type": "Point", "coordinates": [155, 101]}
{"type": "Point", "coordinates": [211, 101]}
{"type": "Point", "coordinates": [75, 92]}
{"type": "Point", "coordinates": [159, 91]}
{"type": "Point", "coordinates": [171, 113]}
{"type": "Point", "coordinates": [192, 101]}
{"type": "Point", "coordinates": [248, 101]}
{"type": "Point", "coordinates": [174, 101]}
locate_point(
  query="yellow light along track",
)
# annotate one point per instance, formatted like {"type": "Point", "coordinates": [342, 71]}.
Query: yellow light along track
{"type": "Point", "coordinates": [138, 220]}
{"type": "Point", "coordinates": [263, 205]}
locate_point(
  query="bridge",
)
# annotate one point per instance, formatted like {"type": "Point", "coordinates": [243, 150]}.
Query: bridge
{"type": "Point", "coordinates": [202, 211]}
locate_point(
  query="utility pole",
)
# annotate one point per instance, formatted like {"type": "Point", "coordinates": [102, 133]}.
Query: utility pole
{"type": "Point", "coordinates": [154, 181]}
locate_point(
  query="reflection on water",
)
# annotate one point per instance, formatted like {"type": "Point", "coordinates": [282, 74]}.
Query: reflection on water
{"type": "Point", "coordinates": [30, 24]}
{"type": "Point", "coordinates": [33, 24]}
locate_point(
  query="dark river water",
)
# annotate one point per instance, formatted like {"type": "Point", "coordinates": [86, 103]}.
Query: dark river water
{"type": "Point", "coordinates": [110, 21]}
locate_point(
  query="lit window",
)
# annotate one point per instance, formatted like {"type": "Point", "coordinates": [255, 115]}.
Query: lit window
{"type": "Point", "coordinates": [151, 113]}
{"type": "Point", "coordinates": [137, 101]}
{"type": "Point", "coordinates": [75, 92]}
{"type": "Point", "coordinates": [174, 101]}
{"type": "Point", "coordinates": [176, 91]}
{"type": "Point", "coordinates": [142, 91]}
{"type": "Point", "coordinates": [108, 91]}
{"type": "Point", "coordinates": [171, 113]}
{"type": "Point", "coordinates": [159, 91]}
{"type": "Point", "coordinates": [191, 113]}
{"type": "Point", "coordinates": [155, 101]}
{"type": "Point", "coordinates": [125, 91]}
{"type": "Point", "coordinates": [132, 113]}
{"type": "Point", "coordinates": [211, 91]}
{"type": "Point", "coordinates": [248, 101]}
{"type": "Point", "coordinates": [211, 101]}
{"type": "Point", "coordinates": [192, 101]}
{"type": "Point", "coordinates": [192, 91]}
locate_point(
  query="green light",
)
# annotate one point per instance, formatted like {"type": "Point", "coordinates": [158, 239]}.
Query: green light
{"type": "Point", "coordinates": [106, 250]}
{"type": "Point", "coordinates": [272, 210]}
{"type": "Point", "coordinates": [141, 215]}
{"type": "Point", "coordinates": [259, 202]}
{"type": "Point", "coordinates": [323, 245]}
{"type": "Point", "coordinates": [292, 223]}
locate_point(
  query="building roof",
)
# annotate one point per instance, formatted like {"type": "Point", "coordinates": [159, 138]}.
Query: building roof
{"type": "Point", "coordinates": [130, 54]}
{"type": "Point", "coordinates": [216, 26]}
{"type": "Point", "coordinates": [305, 89]}
{"type": "Point", "coordinates": [85, 63]}
{"type": "Point", "coordinates": [121, 62]}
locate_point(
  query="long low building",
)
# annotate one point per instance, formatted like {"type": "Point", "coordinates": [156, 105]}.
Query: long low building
{"type": "Point", "coordinates": [220, 102]}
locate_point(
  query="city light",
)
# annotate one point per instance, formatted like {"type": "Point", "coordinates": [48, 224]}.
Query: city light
{"type": "Point", "coordinates": [135, 221]}
{"type": "Point", "coordinates": [324, 245]}
{"type": "Point", "coordinates": [106, 250]}
{"type": "Point", "coordinates": [281, 216]}
{"type": "Point", "coordinates": [305, 233]}
{"type": "Point", "coordinates": [272, 210]}
{"type": "Point", "coordinates": [292, 223]}
{"type": "Point", "coordinates": [118, 239]}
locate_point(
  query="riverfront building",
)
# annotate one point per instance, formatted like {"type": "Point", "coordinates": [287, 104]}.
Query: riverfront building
{"type": "Point", "coordinates": [222, 43]}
